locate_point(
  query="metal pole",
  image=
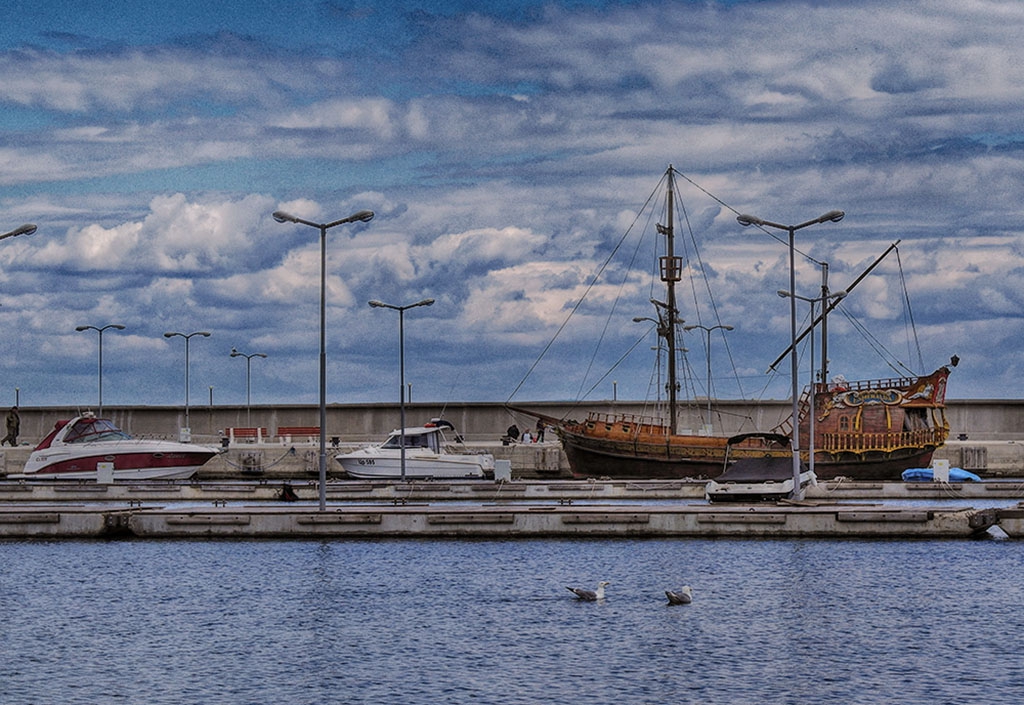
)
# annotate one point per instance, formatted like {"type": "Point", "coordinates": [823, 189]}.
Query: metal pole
{"type": "Point", "coordinates": [814, 396]}
{"type": "Point", "coordinates": [793, 365]}
{"type": "Point", "coordinates": [323, 368]}
{"type": "Point", "coordinates": [101, 374]}
{"type": "Point", "coordinates": [187, 340]}
{"type": "Point", "coordinates": [401, 382]}
{"type": "Point", "coordinates": [248, 388]}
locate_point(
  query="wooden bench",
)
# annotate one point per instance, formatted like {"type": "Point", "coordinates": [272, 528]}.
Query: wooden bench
{"type": "Point", "coordinates": [311, 434]}
{"type": "Point", "coordinates": [249, 435]}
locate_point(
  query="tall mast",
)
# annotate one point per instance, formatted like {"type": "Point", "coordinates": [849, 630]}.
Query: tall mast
{"type": "Point", "coordinates": [671, 272]}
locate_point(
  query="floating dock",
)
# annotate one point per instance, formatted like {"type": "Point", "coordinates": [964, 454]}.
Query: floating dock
{"type": "Point", "coordinates": [340, 491]}
{"type": "Point", "coordinates": [495, 521]}
{"type": "Point", "coordinates": [285, 509]}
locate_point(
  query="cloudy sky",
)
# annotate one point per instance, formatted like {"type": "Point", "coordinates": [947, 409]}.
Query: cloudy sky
{"type": "Point", "coordinates": [506, 149]}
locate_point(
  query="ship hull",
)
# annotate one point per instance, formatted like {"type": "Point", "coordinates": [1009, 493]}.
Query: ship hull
{"type": "Point", "coordinates": [870, 430]}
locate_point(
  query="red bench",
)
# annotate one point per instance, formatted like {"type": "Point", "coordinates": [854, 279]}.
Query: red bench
{"type": "Point", "coordinates": [249, 435]}
{"type": "Point", "coordinates": [310, 433]}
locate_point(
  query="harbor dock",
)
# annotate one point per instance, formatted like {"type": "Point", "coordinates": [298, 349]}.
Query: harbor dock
{"type": "Point", "coordinates": [506, 509]}
{"type": "Point", "coordinates": [493, 521]}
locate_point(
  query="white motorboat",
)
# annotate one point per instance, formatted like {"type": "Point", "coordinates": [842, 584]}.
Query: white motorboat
{"type": "Point", "coordinates": [427, 456]}
{"type": "Point", "coordinates": [758, 468]}
{"type": "Point", "coordinates": [88, 448]}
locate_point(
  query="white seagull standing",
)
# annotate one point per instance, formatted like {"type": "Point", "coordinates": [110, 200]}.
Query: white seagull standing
{"type": "Point", "coordinates": [682, 596]}
{"type": "Point", "coordinates": [590, 595]}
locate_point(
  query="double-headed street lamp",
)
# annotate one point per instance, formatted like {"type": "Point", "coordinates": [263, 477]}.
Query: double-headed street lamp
{"type": "Point", "coordinates": [401, 362]}
{"type": "Point", "coordinates": [830, 217]}
{"type": "Point", "coordinates": [361, 216]}
{"type": "Point", "coordinates": [186, 434]}
{"type": "Point", "coordinates": [115, 326]}
{"type": "Point", "coordinates": [248, 365]}
{"type": "Point", "coordinates": [708, 330]}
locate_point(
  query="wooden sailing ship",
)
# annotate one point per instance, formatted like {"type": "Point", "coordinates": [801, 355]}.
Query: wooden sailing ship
{"type": "Point", "coordinates": [865, 430]}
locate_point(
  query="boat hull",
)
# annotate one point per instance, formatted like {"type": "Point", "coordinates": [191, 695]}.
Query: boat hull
{"type": "Point", "coordinates": [767, 491]}
{"type": "Point", "coordinates": [594, 459]}
{"type": "Point", "coordinates": [366, 465]}
{"type": "Point", "coordinates": [869, 430]}
{"type": "Point", "coordinates": [129, 465]}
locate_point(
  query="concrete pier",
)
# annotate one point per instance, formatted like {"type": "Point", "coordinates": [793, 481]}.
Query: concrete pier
{"type": "Point", "coordinates": [494, 521]}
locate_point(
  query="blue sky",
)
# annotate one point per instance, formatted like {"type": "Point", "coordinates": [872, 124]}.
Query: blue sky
{"type": "Point", "coordinates": [505, 148]}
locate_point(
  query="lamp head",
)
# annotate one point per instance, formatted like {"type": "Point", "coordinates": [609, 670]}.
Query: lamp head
{"type": "Point", "coordinates": [378, 304]}
{"type": "Point", "coordinates": [364, 216]}
{"type": "Point", "coordinates": [282, 217]}
{"type": "Point", "coordinates": [834, 216]}
{"type": "Point", "coordinates": [81, 328]}
{"type": "Point", "coordinates": [424, 302]}
{"type": "Point", "coordinates": [746, 220]}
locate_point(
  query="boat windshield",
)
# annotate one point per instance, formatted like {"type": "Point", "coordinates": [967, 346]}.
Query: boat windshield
{"type": "Point", "coordinates": [419, 440]}
{"type": "Point", "coordinates": [92, 430]}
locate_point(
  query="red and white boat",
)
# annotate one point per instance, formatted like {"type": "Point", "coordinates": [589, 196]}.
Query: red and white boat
{"type": "Point", "coordinates": [88, 448]}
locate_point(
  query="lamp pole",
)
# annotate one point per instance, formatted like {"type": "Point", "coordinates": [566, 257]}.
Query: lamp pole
{"type": "Point", "coordinates": [187, 435]}
{"type": "Point", "coordinates": [401, 362]}
{"type": "Point", "coordinates": [834, 217]}
{"type": "Point", "coordinates": [283, 217]}
{"type": "Point", "coordinates": [248, 365]}
{"type": "Point", "coordinates": [814, 389]}
{"type": "Point", "coordinates": [115, 326]}
{"type": "Point", "coordinates": [708, 330]}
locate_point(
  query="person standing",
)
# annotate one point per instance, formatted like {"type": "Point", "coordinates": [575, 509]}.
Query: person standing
{"type": "Point", "coordinates": [13, 427]}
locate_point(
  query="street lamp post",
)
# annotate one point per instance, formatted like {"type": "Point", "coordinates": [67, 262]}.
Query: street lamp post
{"type": "Point", "coordinates": [401, 362]}
{"type": "Point", "coordinates": [708, 330]}
{"type": "Point", "coordinates": [115, 326]}
{"type": "Point", "coordinates": [282, 217]}
{"type": "Point", "coordinates": [824, 299]}
{"type": "Point", "coordinates": [26, 229]}
{"type": "Point", "coordinates": [248, 365]}
{"type": "Point", "coordinates": [834, 217]}
{"type": "Point", "coordinates": [186, 435]}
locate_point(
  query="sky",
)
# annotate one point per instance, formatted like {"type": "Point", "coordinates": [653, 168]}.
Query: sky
{"type": "Point", "coordinates": [507, 150]}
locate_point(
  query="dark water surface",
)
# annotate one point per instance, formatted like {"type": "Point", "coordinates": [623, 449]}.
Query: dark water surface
{"type": "Point", "coordinates": [418, 622]}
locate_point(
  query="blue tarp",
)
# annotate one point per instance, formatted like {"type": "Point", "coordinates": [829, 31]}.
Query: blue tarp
{"type": "Point", "coordinates": [925, 475]}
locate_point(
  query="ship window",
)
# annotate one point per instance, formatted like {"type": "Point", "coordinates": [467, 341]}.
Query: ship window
{"type": "Point", "coordinates": [844, 424]}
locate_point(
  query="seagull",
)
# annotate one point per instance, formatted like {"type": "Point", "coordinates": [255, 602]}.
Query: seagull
{"type": "Point", "coordinates": [590, 595]}
{"type": "Point", "coordinates": [682, 596]}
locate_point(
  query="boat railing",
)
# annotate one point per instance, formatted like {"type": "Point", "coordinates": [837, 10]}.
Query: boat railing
{"type": "Point", "coordinates": [885, 441]}
{"type": "Point", "coordinates": [864, 385]}
{"type": "Point", "coordinates": [631, 419]}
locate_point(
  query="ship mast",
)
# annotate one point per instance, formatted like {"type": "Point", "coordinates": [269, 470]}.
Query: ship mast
{"type": "Point", "coordinates": [671, 272]}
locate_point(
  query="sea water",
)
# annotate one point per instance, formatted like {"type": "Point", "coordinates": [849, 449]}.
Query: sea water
{"type": "Point", "coordinates": [419, 622]}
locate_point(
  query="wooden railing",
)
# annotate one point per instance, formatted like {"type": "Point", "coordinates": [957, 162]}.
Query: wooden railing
{"type": "Point", "coordinates": [889, 441]}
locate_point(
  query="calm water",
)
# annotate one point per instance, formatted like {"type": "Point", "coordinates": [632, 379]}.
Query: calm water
{"type": "Point", "coordinates": [423, 622]}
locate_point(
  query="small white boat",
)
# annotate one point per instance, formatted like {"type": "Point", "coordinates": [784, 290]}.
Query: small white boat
{"type": "Point", "coordinates": [427, 456]}
{"type": "Point", "coordinates": [88, 448]}
{"type": "Point", "coordinates": [758, 468]}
